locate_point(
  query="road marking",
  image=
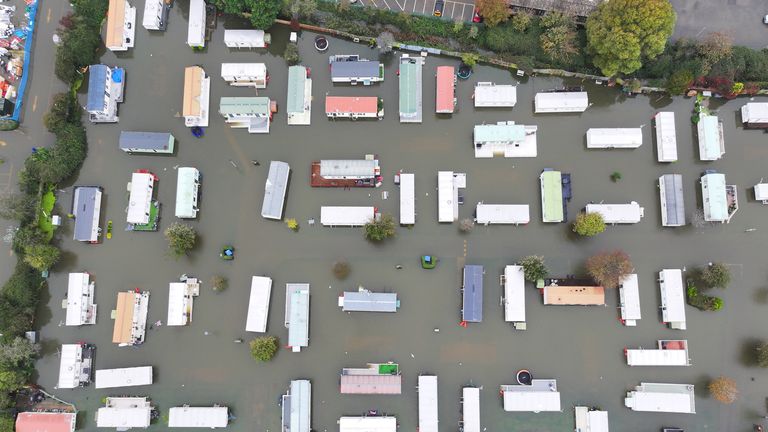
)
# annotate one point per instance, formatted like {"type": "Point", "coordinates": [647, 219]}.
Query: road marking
{"type": "Point", "coordinates": [385, 2]}
{"type": "Point", "coordinates": [34, 104]}
{"type": "Point", "coordinates": [462, 11]}
{"type": "Point", "coordinates": [424, 8]}
{"type": "Point", "coordinates": [402, 7]}
{"type": "Point", "coordinates": [453, 9]}
{"type": "Point", "coordinates": [48, 17]}
{"type": "Point", "coordinates": [415, 2]}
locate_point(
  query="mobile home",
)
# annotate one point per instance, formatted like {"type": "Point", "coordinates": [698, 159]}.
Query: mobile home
{"type": "Point", "coordinates": [125, 413]}
{"type": "Point", "coordinates": [512, 214]}
{"type": "Point", "coordinates": [245, 74]}
{"type": "Point", "coordinates": [368, 424]}
{"type": "Point", "coordinates": [187, 192]}
{"type": "Point", "coordinates": [572, 292]}
{"type": "Point", "coordinates": [375, 378]}
{"type": "Point", "coordinates": [608, 138]}
{"type": "Point", "coordinates": [472, 294]}
{"type": "Point", "coordinates": [367, 301]}
{"type": "Point", "coordinates": [505, 139]}
{"type": "Point", "coordinates": [86, 209]}
{"type": "Point", "coordinates": [410, 88]}
{"type": "Point", "coordinates": [105, 90]}
{"type": "Point", "coordinates": [248, 38]}
{"type": "Point", "coordinates": [197, 93]}
{"type": "Point", "coordinates": [672, 200]}
{"type": "Point", "coordinates": [80, 296]}
{"type": "Point", "coordinates": [560, 102]}
{"type": "Point", "coordinates": [274, 190]}
{"type": "Point", "coordinates": [297, 407]}
{"type": "Point", "coordinates": [353, 70]}
{"type": "Point", "coordinates": [667, 353]}
{"type": "Point", "coordinates": [253, 113]}
{"type": "Point", "coordinates": [407, 199]}
{"type": "Point", "coordinates": [666, 136]}
{"type": "Point", "coordinates": [156, 14]}
{"type": "Point", "coordinates": [754, 115]}
{"type": "Point", "coordinates": [662, 397]}
{"type": "Point", "coordinates": [76, 365]}
{"type": "Point", "coordinates": [346, 172]}
{"type": "Point", "coordinates": [427, 389]}
{"type": "Point", "coordinates": [590, 420]}
{"type": "Point", "coordinates": [297, 315]}
{"type": "Point", "coordinates": [299, 106]}
{"type": "Point", "coordinates": [555, 194]}
{"type": "Point", "coordinates": [346, 216]}
{"type": "Point", "coordinates": [513, 281]}
{"type": "Point", "coordinates": [121, 26]}
{"type": "Point", "coordinates": [124, 377]}
{"type": "Point", "coordinates": [618, 213]}
{"type": "Point", "coordinates": [448, 185]}
{"type": "Point", "coordinates": [470, 409]}
{"type": "Point", "coordinates": [45, 421]}
{"type": "Point", "coordinates": [198, 417]}
{"type": "Point", "coordinates": [445, 96]}
{"type": "Point", "coordinates": [258, 304]}
{"type": "Point", "coordinates": [196, 28]}
{"type": "Point", "coordinates": [143, 211]}
{"type": "Point", "coordinates": [541, 395]}
{"type": "Point", "coordinates": [146, 142]}
{"type": "Point", "coordinates": [353, 107]}
{"type": "Point", "coordinates": [672, 298]}
{"type": "Point", "coordinates": [720, 200]}
{"type": "Point", "coordinates": [130, 318]}
{"type": "Point", "coordinates": [180, 301]}
{"type": "Point", "coordinates": [629, 300]}
{"type": "Point", "coordinates": [709, 131]}
{"type": "Point", "coordinates": [490, 95]}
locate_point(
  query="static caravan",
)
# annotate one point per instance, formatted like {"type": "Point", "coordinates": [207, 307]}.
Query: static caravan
{"type": "Point", "coordinates": [448, 185]}
{"type": "Point", "coordinates": [445, 96]}
{"type": "Point", "coordinates": [246, 38]}
{"type": "Point", "coordinates": [297, 315]}
{"type": "Point", "coordinates": [367, 301]}
{"type": "Point", "coordinates": [662, 397]}
{"type": "Point", "coordinates": [121, 26]}
{"type": "Point", "coordinates": [709, 130]}
{"type": "Point", "coordinates": [407, 199]}
{"type": "Point", "coordinates": [142, 210]}
{"type": "Point", "coordinates": [629, 300]}
{"type": "Point", "coordinates": [197, 94]}
{"type": "Point", "coordinates": [608, 138]}
{"type": "Point", "coordinates": [353, 107]}
{"type": "Point", "coordinates": [124, 413]}
{"type": "Point", "coordinates": [513, 281]}
{"type": "Point", "coordinates": [560, 102]}
{"type": "Point", "coordinates": [375, 378]}
{"type": "Point", "coordinates": [368, 424]}
{"type": "Point", "coordinates": [196, 29]}
{"type": "Point", "coordinates": [555, 194]}
{"type": "Point", "coordinates": [511, 214]}
{"type": "Point", "coordinates": [274, 190]}
{"type": "Point", "coordinates": [470, 409]}
{"type": "Point", "coordinates": [346, 172]}
{"type": "Point", "coordinates": [258, 304]}
{"type": "Point", "coordinates": [667, 353]}
{"type": "Point", "coordinates": [180, 301]}
{"type": "Point", "coordinates": [540, 395]}
{"type": "Point", "coordinates": [155, 14]}
{"type": "Point", "coordinates": [672, 298]}
{"type": "Point", "coordinates": [618, 213]}
{"type": "Point", "coordinates": [105, 90]}
{"type": "Point", "coordinates": [80, 296]}
{"type": "Point", "coordinates": [410, 89]}
{"type": "Point", "coordinates": [490, 95]}
{"type": "Point", "coordinates": [353, 70]}
{"type": "Point", "coordinates": [86, 209]}
{"type": "Point", "coordinates": [346, 216]}
{"type": "Point", "coordinates": [666, 136]}
{"type": "Point", "coordinates": [187, 192]}
{"type": "Point", "coordinates": [33, 421]}
{"type": "Point", "coordinates": [124, 377]}
{"type": "Point", "coordinates": [472, 294]}
{"type": "Point", "coordinates": [720, 200]}
{"type": "Point", "coordinates": [245, 74]}
{"type": "Point", "coordinates": [297, 407]}
{"type": "Point", "coordinates": [427, 389]}
{"type": "Point", "coordinates": [572, 292]}
{"type": "Point", "coordinates": [754, 115]}
{"type": "Point", "coordinates": [252, 113]}
{"type": "Point", "coordinates": [299, 106]}
{"type": "Point", "coordinates": [146, 142]}
{"type": "Point", "coordinates": [590, 420]}
{"type": "Point", "coordinates": [130, 318]}
{"type": "Point", "coordinates": [505, 139]}
{"type": "Point", "coordinates": [76, 365]}
{"type": "Point", "coordinates": [761, 192]}
{"type": "Point", "coordinates": [672, 200]}
{"type": "Point", "coordinates": [198, 417]}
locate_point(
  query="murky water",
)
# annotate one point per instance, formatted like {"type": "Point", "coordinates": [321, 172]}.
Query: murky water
{"type": "Point", "coordinates": [580, 347]}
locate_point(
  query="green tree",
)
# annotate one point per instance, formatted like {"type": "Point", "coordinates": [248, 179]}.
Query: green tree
{"type": "Point", "coordinates": [42, 256]}
{"type": "Point", "coordinates": [19, 354]}
{"type": "Point", "coordinates": [264, 348]}
{"type": "Point", "coordinates": [381, 229]}
{"type": "Point", "coordinates": [762, 355]}
{"type": "Point", "coordinates": [713, 48]}
{"type": "Point", "coordinates": [7, 423]}
{"type": "Point", "coordinates": [263, 13]}
{"type": "Point", "coordinates": [78, 49]}
{"type": "Point", "coordinates": [556, 18]}
{"type": "Point", "coordinates": [493, 11]}
{"type": "Point", "coordinates": [291, 54]}
{"type": "Point", "coordinates": [18, 207]}
{"type": "Point", "coordinates": [621, 34]}
{"type": "Point", "coordinates": [12, 380]}
{"type": "Point", "coordinates": [609, 269]}
{"type": "Point", "coordinates": [533, 268]}
{"type": "Point", "coordinates": [589, 224]}
{"type": "Point", "coordinates": [520, 21]}
{"type": "Point", "coordinates": [559, 43]}
{"type": "Point", "coordinates": [716, 275]}
{"type": "Point", "coordinates": [64, 110]}
{"type": "Point", "coordinates": [234, 7]}
{"type": "Point", "coordinates": [679, 81]}
{"type": "Point", "coordinates": [181, 238]}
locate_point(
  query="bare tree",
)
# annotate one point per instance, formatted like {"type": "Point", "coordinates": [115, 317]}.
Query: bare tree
{"type": "Point", "coordinates": [384, 42]}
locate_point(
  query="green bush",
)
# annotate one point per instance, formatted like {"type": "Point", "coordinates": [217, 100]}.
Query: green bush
{"type": "Point", "coordinates": [291, 54]}
{"type": "Point", "coordinates": [7, 423]}
{"type": "Point", "coordinates": [382, 229]}
{"type": "Point", "coordinates": [181, 239]}
{"type": "Point", "coordinates": [679, 81]}
{"type": "Point", "coordinates": [702, 301]}
{"type": "Point", "coordinates": [533, 268]}
{"type": "Point", "coordinates": [42, 256]}
{"type": "Point", "coordinates": [715, 275]}
{"type": "Point", "coordinates": [589, 224]}
{"type": "Point", "coordinates": [264, 348]}
{"type": "Point", "coordinates": [8, 125]}
{"type": "Point", "coordinates": [64, 110]}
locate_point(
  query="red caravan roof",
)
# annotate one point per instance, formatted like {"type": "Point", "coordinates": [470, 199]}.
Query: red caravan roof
{"type": "Point", "coordinates": [45, 422]}
{"type": "Point", "coordinates": [445, 89]}
{"type": "Point", "coordinates": [351, 104]}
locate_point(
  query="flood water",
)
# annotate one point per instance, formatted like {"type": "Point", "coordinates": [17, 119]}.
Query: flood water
{"type": "Point", "coordinates": [580, 347]}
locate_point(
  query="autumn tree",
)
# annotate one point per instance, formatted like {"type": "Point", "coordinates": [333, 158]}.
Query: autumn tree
{"type": "Point", "coordinates": [713, 48]}
{"type": "Point", "coordinates": [493, 11]}
{"type": "Point", "coordinates": [521, 21]}
{"type": "Point", "coordinates": [559, 43]}
{"type": "Point", "coordinates": [609, 268]}
{"type": "Point", "coordinates": [723, 389]}
{"type": "Point", "coordinates": [621, 34]}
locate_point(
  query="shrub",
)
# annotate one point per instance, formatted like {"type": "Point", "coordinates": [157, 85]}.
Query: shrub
{"type": "Point", "coordinates": [533, 268]}
{"type": "Point", "coordinates": [381, 229]}
{"type": "Point", "coordinates": [77, 50]}
{"type": "Point", "coordinates": [18, 207]}
{"type": "Point", "coordinates": [64, 110]}
{"type": "Point", "coordinates": [555, 18]}
{"type": "Point", "coordinates": [341, 269]}
{"type": "Point", "coordinates": [264, 348]}
{"type": "Point", "coordinates": [559, 43]}
{"type": "Point", "coordinates": [181, 239]}
{"type": "Point", "coordinates": [493, 11]}
{"type": "Point", "coordinates": [466, 225]}
{"type": "Point", "coordinates": [679, 81]}
{"type": "Point", "coordinates": [291, 54]}
{"type": "Point", "coordinates": [609, 269]}
{"type": "Point", "coordinates": [470, 59]}
{"type": "Point", "coordinates": [521, 21]}
{"type": "Point", "coordinates": [724, 390]}
{"type": "Point", "coordinates": [219, 283]}
{"type": "Point", "coordinates": [589, 224]}
{"type": "Point", "coordinates": [292, 224]}
{"type": "Point", "coordinates": [716, 275]}
{"type": "Point", "coordinates": [7, 124]}
{"type": "Point", "coordinates": [42, 256]}
{"type": "Point", "coordinates": [762, 355]}
{"type": "Point", "coordinates": [19, 354]}
{"type": "Point", "coordinates": [12, 380]}
{"type": "Point", "coordinates": [702, 301]}
{"type": "Point", "coordinates": [615, 176]}
{"type": "Point", "coordinates": [7, 423]}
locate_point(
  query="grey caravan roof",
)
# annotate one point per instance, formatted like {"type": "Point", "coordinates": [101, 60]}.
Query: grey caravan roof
{"type": "Point", "coordinates": [148, 141]}
{"type": "Point", "coordinates": [84, 209]}
{"type": "Point", "coordinates": [472, 311]}
{"type": "Point", "coordinates": [673, 192]}
{"type": "Point", "coordinates": [365, 301]}
{"type": "Point", "coordinates": [274, 190]}
{"type": "Point", "coordinates": [355, 69]}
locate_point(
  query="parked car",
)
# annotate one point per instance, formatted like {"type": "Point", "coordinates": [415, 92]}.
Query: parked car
{"type": "Point", "coordinates": [439, 5]}
{"type": "Point", "coordinates": [765, 19]}
{"type": "Point", "coordinates": [476, 17]}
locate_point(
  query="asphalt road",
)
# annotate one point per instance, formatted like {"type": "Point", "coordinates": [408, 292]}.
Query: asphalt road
{"type": "Point", "coordinates": [452, 10]}
{"type": "Point", "coordinates": [741, 19]}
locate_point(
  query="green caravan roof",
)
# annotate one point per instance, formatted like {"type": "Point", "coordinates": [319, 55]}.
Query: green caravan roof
{"type": "Point", "coordinates": [297, 76]}
{"type": "Point", "coordinates": [552, 196]}
{"type": "Point", "coordinates": [408, 87]}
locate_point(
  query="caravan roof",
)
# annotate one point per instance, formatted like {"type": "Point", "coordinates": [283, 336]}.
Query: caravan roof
{"type": "Point", "coordinates": [618, 213]}
{"type": "Point", "coordinates": [346, 216]}
{"type": "Point", "coordinates": [446, 91]}
{"type": "Point", "coordinates": [368, 424]}
{"type": "Point", "coordinates": [124, 377]}
{"type": "Point", "coordinates": [514, 294]}
{"type": "Point", "coordinates": [297, 314]}
{"type": "Point", "coordinates": [614, 137]}
{"type": "Point", "coordinates": [198, 417]}
{"type": "Point", "coordinates": [71, 369]}
{"type": "Point", "coordinates": [502, 214]}
{"type": "Point", "coordinates": [297, 407]}
{"type": "Point", "coordinates": [556, 102]}
{"type": "Point", "coordinates": [666, 136]}
{"type": "Point", "coordinates": [428, 418]}
{"type": "Point", "coordinates": [366, 301]}
{"type": "Point", "coordinates": [629, 295]}
{"type": "Point", "coordinates": [672, 297]}
{"type": "Point", "coordinates": [552, 196]}
{"type": "Point", "coordinates": [86, 207]}
{"type": "Point", "coordinates": [488, 94]}
{"type": "Point", "coordinates": [407, 199]}
{"type": "Point", "coordinates": [541, 395]}
{"type": "Point", "coordinates": [672, 200]}
{"type": "Point", "coordinates": [275, 189]}
{"type": "Point", "coordinates": [472, 293]}
{"type": "Point", "coordinates": [258, 304]}
{"type": "Point", "coordinates": [80, 294]}
{"type": "Point", "coordinates": [140, 200]}
{"type": "Point", "coordinates": [196, 26]}
{"type": "Point", "coordinates": [662, 397]}
{"type": "Point", "coordinates": [187, 186]}
{"type": "Point", "coordinates": [146, 142]}
{"type": "Point", "coordinates": [470, 409]}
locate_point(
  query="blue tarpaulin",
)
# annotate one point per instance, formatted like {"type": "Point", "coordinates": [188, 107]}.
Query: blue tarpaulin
{"type": "Point", "coordinates": [96, 83]}
{"type": "Point", "coordinates": [32, 8]}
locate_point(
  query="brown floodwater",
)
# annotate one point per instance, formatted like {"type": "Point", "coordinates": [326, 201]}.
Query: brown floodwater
{"type": "Point", "coordinates": [580, 347]}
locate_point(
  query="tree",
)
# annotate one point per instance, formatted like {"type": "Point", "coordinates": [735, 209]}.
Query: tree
{"type": "Point", "coordinates": [555, 18]}
{"type": "Point", "coordinates": [470, 59]}
{"type": "Point", "coordinates": [263, 13]}
{"type": "Point", "coordinates": [533, 268]}
{"type": "Point", "coordinates": [724, 390]}
{"type": "Point", "coordinates": [589, 224]}
{"type": "Point", "coordinates": [621, 34]}
{"type": "Point", "coordinates": [12, 380]}
{"type": "Point", "coordinates": [7, 424]}
{"type": "Point", "coordinates": [181, 238]}
{"type": "Point", "coordinates": [473, 32]}
{"type": "Point", "coordinates": [559, 43]}
{"type": "Point", "coordinates": [77, 50]}
{"type": "Point", "coordinates": [609, 268]}
{"type": "Point", "coordinates": [22, 289]}
{"type": "Point", "coordinates": [292, 224]}
{"type": "Point", "coordinates": [716, 275]}
{"type": "Point", "coordinates": [19, 354]}
{"type": "Point", "coordinates": [341, 269]}
{"type": "Point", "coordinates": [291, 54]}
{"type": "Point", "coordinates": [264, 348]}
{"type": "Point", "coordinates": [18, 207]}
{"type": "Point", "coordinates": [520, 21]}
{"type": "Point", "coordinates": [42, 256]}
{"type": "Point", "coordinates": [64, 110]}
{"type": "Point", "coordinates": [762, 355]}
{"type": "Point", "coordinates": [384, 42]}
{"type": "Point", "coordinates": [493, 11]}
{"type": "Point", "coordinates": [679, 81]}
{"type": "Point", "coordinates": [382, 229]}
{"type": "Point", "coordinates": [466, 225]}
{"type": "Point", "coordinates": [219, 283]}
{"type": "Point", "coordinates": [713, 48]}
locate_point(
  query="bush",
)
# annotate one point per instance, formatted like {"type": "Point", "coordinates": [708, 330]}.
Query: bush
{"type": "Point", "coordinates": [702, 301]}
{"type": "Point", "coordinates": [609, 269]}
{"type": "Point", "coordinates": [22, 291]}
{"type": "Point", "coordinates": [533, 268]}
{"type": "Point", "coordinates": [589, 224]}
{"type": "Point", "coordinates": [219, 283]}
{"type": "Point", "coordinates": [19, 354]}
{"type": "Point", "coordinates": [292, 224]}
{"type": "Point", "coordinates": [264, 348]}
{"type": "Point", "coordinates": [466, 225]}
{"type": "Point", "coordinates": [679, 81]}
{"type": "Point", "coordinates": [382, 229]}
{"type": "Point", "coordinates": [8, 125]}
{"type": "Point", "coordinates": [470, 59]}
{"type": "Point", "coordinates": [341, 269]}
{"type": "Point", "coordinates": [7, 423]}
{"type": "Point", "coordinates": [64, 110]}
{"type": "Point", "coordinates": [716, 275]}
{"type": "Point", "coordinates": [77, 50]}
{"type": "Point", "coordinates": [504, 39]}
{"type": "Point", "coordinates": [762, 355]}
{"type": "Point", "coordinates": [18, 207]}
{"type": "Point", "coordinates": [521, 21]}
{"type": "Point", "coordinates": [181, 239]}
{"type": "Point", "coordinates": [42, 256]}
{"type": "Point", "coordinates": [724, 390]}
{"type": "Point", "coordinates": [291, 54]}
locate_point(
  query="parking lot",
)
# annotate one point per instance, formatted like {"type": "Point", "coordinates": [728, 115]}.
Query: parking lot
{"type": "Point", "coordinates": [452, 10]}
{"type": "Point", "coordinates": [741, 19]}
